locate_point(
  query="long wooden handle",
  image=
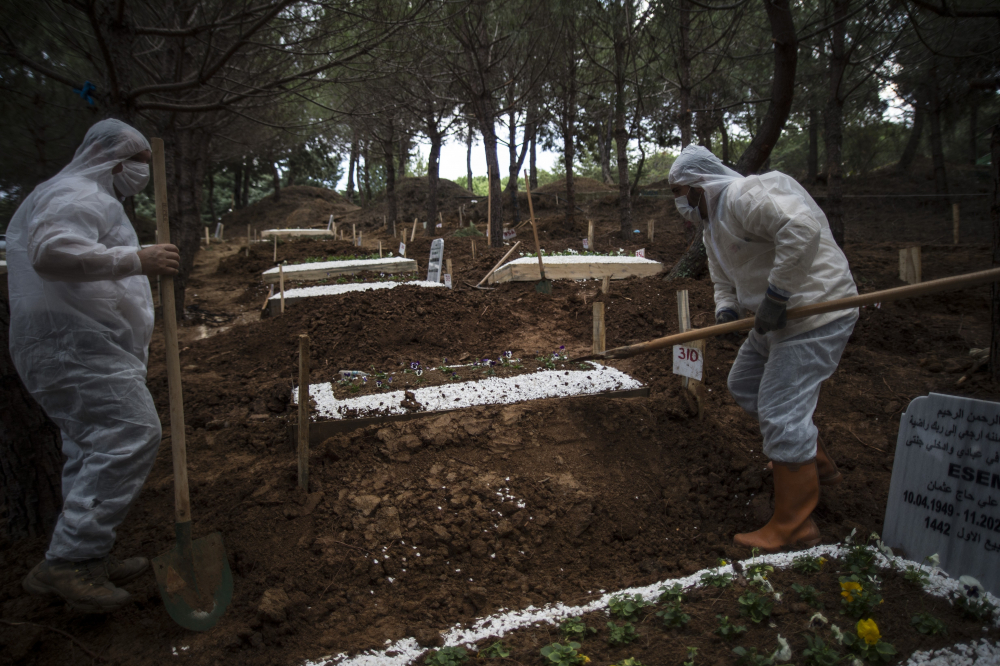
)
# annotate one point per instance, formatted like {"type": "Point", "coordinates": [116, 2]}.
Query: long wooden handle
{"type": "Point", "coordinates": [534, 227]}
{"type": "Point", "coordinates": [499, 263]}
{"type": "Point", "coordinates": [182, 500]}
{"type": "Point", "coordinates": [953, 283]}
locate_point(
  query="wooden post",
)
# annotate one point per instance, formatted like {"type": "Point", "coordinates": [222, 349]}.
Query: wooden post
{"type": "Point", "coordinates": [361, 238]}
{"type": "Point", "coordinates": [652, 228]}
{"type": "Point", "coordinates": [473, 249]}
{"type": "Point", "coordinates": [207, 237]}
{"type": "Point", "coordinates": [910, 269]}
{"type": "Point", "coordinates": [590, 235]}
{"type": "Point", "coordinates": [394, 234]}
{"type": "Point", "coordinates": [413, 234]}
{"type": "Point", "coordinates": [606, 284]}
{"type": "Point", "coordinates": [441, 219]}
{"type": "Point", "coordinates": [222, 232]}
{"type": "Point", "coordinates": [281, 285]}
{"type": "Point", "coordinates": [354, 233]}
{"type": "Point", "coordinates": [275, 249]}
{"type": "Point", "coordinates": [684, 324]}
{"type": "Point", "coordinates": [447, 264]}
{"type": "Point", "coordinates": [489, 205]}
{"type": "Point", "coordinates": [599, 337]}
{"type": "Point", "coordinates": [460, 222]}
{"type": "Point", "coordinates": [380, 249]}
{"type": "Point", "coordinates": [303, 452]}
{"type": "Point", "coordinates": [954, 222]}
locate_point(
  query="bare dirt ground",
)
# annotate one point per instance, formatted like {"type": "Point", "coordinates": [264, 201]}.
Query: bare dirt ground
{"type": "Point", "coordinates": [507, 506]}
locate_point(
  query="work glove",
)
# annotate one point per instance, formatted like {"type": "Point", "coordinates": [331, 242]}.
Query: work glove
{"type": "Point", "coordinates": [772, 314]}
{"type": "Point", "coordinates": [724, 316]}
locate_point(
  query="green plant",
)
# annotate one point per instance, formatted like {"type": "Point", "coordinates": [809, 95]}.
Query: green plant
{"type": "Point", "coordinates": [626, 607]}
{"type": "Point", "coordinates": [575, 628]}
{"type": "Point", "coordinates": [916, 576]}
{"type": "Point", "coordinates": [868, 643]}
{"type": "Point", "coordinates": [629, 661]}
{"type": "Point", "coordinates": [976, 608]}
{"type": "Point", "coordinates": [750, 657]}
{"type": "Point", "coordinates": [755, 568]}
{"type": "Point", "coordinates": [715, 578]}
{"type": "Point", "coordinates": [673, 616]}
{"type": "Point", "coordinates": [819, 653]}
{"type": "Point", "coordinates": [755, 606]}
{"type": "Point", "coordinates": [564, 655]}
{"type": "Point", "coordinates": [729, 631]}
{"type": "Point", "coordinates": [926, 623]}
{"type": "Point", "coordinates": [861, 558]}
{"type": "Point", "coordinates": [621, 635]}
{"type": "Point", "coordinates": [808, 594]}
{"type": "Point", "coordinates": [858, 596]}
{"type": "Point", "coordinates": [670, 594]}
{"type": "Point", "coordinates": [447, 656]}
{"type": "Point", "coordinates": [692, 653]}
{"type": "Point", "coordinates": [808, 564]}
{"type": "Point", "coordinates": [494, 651]}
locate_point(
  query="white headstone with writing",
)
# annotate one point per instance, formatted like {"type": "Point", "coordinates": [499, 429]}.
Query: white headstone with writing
{"type": "Point", "coordinates": [944, 496]}
{"type": "Point", "coordinates": [434, 265]}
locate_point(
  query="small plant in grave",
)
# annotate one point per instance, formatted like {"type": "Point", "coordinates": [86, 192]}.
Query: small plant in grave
{"type": "Point", "coordinates": [972, 601]}
{"type": "Point", "coordinates": [756, 568]}
{"type": "Point", "coordinates": [692, 653]}
{"type": "Point", "coordinates": [575, 628]}
{"type": "Point", "coordinates": [621, 635]}
{"type": "Point", "coordinates": [755, 606]}
{"type": "Point", "coordinates": [861, 558]}
{"type": "Point", "coordinates": [917, 575]}
{"type": "Point", "coordinates": [727, 630]}
{"type": "Point", "coordinates": [716, 578]}
{"type": "Point", "coordinates": [494, 651]}
{"type": "Point", "coordinates": [808, 564]}
{"type": "Point", "coordinates": [868, 643]}
{"type": "Point", "coordinates": [808, 594]}
{"type": "Point", "coordinates": [447, 656]}
{"type": "Point", "coordinates": [927, 624]}
{"type": "Point", "coordinates": [674, 593]}
{"type": "Point", "coordinates": [629, 661]}
{"type": "Point", "coordinates": [818, 653]}
{"type": "Point", "coordinates": [558, 654]}
{"type": "Point", "coordinates": [673, 616]}
{"type": "Point", "coordinates": [859, 597]}
{"type": "Point", "coordinates": [745, 657]}
{"type": "Point", "coordinates": [626, 607]}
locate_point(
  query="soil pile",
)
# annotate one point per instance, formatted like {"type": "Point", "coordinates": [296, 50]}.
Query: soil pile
{"type": "Point", "coordinates": [299, 207]}
{"type": "Point", "coordinates": [411, 202]}
{"type": "Point", "coordinates": [580, 184]}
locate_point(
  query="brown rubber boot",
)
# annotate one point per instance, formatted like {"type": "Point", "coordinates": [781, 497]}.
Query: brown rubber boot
{"type": "Point", "coordinates": [829, 475]}
{"type": "Point", "coordinates": [83, 585]}
{"type": "Point", "coordinates": [125, 571]}
{"type": "Point", "coordinates": [796, 492]}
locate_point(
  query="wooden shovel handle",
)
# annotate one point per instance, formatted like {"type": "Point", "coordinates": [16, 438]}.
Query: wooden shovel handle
{"type": "Point", "coordinates": [182, 501]}
{"type": "Point", "coordinates": [534, 227]}
{"type": "Point", "coordinates": [953, 283]}
{"type": "Point", "coordinates": [499, 263]}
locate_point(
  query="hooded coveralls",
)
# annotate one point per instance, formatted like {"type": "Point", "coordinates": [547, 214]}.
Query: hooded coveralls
{"type": "Point", "coordinates": [81, 321]}
{"type": "Point", "coordinates": [767, 232]}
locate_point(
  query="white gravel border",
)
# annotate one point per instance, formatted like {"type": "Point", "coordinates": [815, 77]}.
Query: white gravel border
{"type": "Point", "coordinates": [488, 391]}
{"type": "Point", "coordinates": [349, 263]}
{"type": "Point", "coordinates": [334, 289]}
{"type": "Point", "coordinates": [583, 259]}
{"type": "Point", "coordinates": [406, 651]}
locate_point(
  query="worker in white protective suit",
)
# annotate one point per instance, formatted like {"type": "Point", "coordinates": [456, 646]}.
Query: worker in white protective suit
{"type": "Point", "coordinates": [81, 321]}
{"type": "Point", "coordinates": [769, 247]}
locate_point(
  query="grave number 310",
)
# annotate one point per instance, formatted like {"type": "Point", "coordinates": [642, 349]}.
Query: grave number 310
{"type": "Point", "coordinates": [688, 354]}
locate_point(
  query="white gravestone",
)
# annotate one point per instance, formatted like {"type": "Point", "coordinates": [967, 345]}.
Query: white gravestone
{"type": "Point", "coordinates": [944, 496]}
{"type": "Point", "coordinates": [434, 265]}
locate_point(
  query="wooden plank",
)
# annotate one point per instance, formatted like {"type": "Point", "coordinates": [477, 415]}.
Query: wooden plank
{"type": "Point", "coordinates": [292, 233]}
{"type": "Point", "coordinates": [319, 431]}
{"type": "Point", "coordinates": [401, 266]}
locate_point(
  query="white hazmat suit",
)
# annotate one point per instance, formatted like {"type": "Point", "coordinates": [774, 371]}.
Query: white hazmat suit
{"type": "Point", "coordinates": [81, 321]}
{"type": "Point", "coordinates": [766, 232]}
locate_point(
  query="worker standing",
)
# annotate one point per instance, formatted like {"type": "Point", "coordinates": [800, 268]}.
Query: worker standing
{"type": "Point", "coordinates": [81, 322]}
{"type": "Point", "coordinates": [769, 247]}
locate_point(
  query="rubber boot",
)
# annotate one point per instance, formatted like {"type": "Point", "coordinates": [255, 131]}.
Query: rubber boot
{"type": "Point", "coordinates": [796, 492]}
{"type": "Point", "coordinates": [125, 571]}
{"type": "Point", "coordinates": [84, 586]}
{"type": "Point", "coordinates": [829, 475]}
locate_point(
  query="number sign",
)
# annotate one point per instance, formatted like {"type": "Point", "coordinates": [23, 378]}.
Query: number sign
{"type": "Point", "coordinates": [688, 362]}
{"type": "Point", "coordinates": [586, 243]}
{"type": "Point", "coordinates": [944, 496]}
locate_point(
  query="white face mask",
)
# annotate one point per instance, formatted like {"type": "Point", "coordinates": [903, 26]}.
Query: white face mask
{"type": "Point", "coordinates": [132, 179]}
{"type": "Point", "coordinates": [687, 211]}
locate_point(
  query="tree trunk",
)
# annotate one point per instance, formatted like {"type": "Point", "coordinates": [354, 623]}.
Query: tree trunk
{"type": "Point", "coordinates": [512, 170]}
{"type": "Point", "coordinates": [276, 181]}
{"type": "Point", "coordinates": [973, 129]}
{"type": "Point", "coordinates": [30, 450]}
{"type": "Point", "coordinates": [367, 194]}
{"type": "Point", "coordinates": [186, 152]}
{"type": "Point", "coordinates": [834, 117]}
{"type": "Point", "coordinates": [238, 186]}
{"type": "Point", "coordinates": [388, 146]}
{"type": "Point", "coordinates": [468, 159]}
{"type": "Point", "coordinates": [813, 148]}
{"type": "Point", "coordinates": [485, 114]}
{"type": "Point", "coordinates": [937, 148]}
{"type": "Point", "coordinates": [247, 166]}
{"type": "Point", "coordinates": [569, 139]}
{"type": "Point", "coordinates": [725, 139]}
{"type": "Point", "coordinates": [694, 261]}
{"type": "Point", "coordinates": [621, 132]}
{"type": "Point", "coordinates": [995, 287]}
{"type": "Point", "coordinates": [211, 196]}
{"type": "Point", "coordinates": [684, 71]}
{"type": "Point", "coordinates": [433, 170]}
{"type": "Point", "coordinates": [532, 164]}
{"type": "Point", "coordinates": [916, 133]}
{"type": "Point", "coordinates": [351, 162]}
{"type": "Point", "coordinates": [604, 145]}
{"type": "Point", "coordinates": [404, 156]}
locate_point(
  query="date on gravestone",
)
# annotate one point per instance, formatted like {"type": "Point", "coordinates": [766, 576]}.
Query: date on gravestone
{"type": "Point", "coordinates": [944, 496]}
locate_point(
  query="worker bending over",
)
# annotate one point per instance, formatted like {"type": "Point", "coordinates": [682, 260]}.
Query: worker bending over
{"type": "Point", "coordinates": [81, 320]}
{"type": "Point", "coordinates": [769, 248]}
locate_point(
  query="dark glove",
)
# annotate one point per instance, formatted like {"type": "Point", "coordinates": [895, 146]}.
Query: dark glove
{"type": "Point", "coordinates": [724, 316]}
{"type": "Point", "coordinates": [772, 314]}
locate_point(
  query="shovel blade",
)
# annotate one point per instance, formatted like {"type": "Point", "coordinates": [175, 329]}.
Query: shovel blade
{"type": "Point", "coordinates": [195, 582]}
{"type": "Point", "coordinates": [544, 287]}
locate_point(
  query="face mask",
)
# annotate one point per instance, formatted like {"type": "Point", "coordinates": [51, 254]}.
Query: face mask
{"type": "Point", "coordinates": [132, 179]}
{"type": "Point", "coordinates": [687, 211]}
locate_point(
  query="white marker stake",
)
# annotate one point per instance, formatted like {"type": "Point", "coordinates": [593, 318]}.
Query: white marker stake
{"type": "Point", "coordinates": [447, 280]}
{"type": "Point", "coordinates": [402, 250]}
{"type": "Point", "coordinates": [688, 362]}
{"type": "Point", "coordinates": [586, 244]}
{"type": "Point", "coordinates": [641, 253]}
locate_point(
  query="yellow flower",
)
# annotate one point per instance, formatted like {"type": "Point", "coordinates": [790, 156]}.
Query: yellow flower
{"type": "Point", "coordinates": [822, 561]}
{"type": "Point", "coordinates": [847, 588]}
{"type": "Point", "coordinates": [586, 659]}
{"type": "Point", "coordinates": [868, 630]}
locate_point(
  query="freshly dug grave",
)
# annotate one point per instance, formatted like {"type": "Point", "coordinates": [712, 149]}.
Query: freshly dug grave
{"type": "Point", "coordinates": [298, 207]}
{"type": "Point", "coordinates": [411, 202]}
{"type": "Point", "coordinates": [589, 488]}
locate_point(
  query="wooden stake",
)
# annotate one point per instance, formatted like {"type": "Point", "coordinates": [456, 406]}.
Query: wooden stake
{"type": "Point", "coordinates": [473, 249]}
{"type": "Point", "coordinates": [954, 223]}
{"type": "Point", "coordinates": [222, 232]}
{"type": "Point", "coordinates": [303, 452]}
{"type": "Point", "coordinates": [380, 249]}
{"type": "Point", "coordinates": [652, 228]}
{"type": "Point", "coordinates": [275, 249]}
{"type": "Point", "coordinates": [694, 386]}
{"type": "Point", "coordinates": [413, 234]}
{"type": "Point", "coordinates": [441, 219]}
{"type": "Point", "coordinates": [460, 222]}
{"type": "Point", "coordinates": [590, 235]}
{"type": "Point", "coordinates": [394, 234]}
{"type": "Point", "coordinates": [910, 269]}
{"type": "Point", "coordinates": [599, 332]}
{"type": "Point", "coordinates": [499, 263]}
{"type": "Point", "coordinates": [267, 299]}
{"type": "Point", "coordinates": [207, 237]}
{"type": "Point", "coordinates": [606, 284]}
{"type": "Point", "coordinates": [281, 285]}
{"type": "Point", "coordinates": [447, 265]}
{"type": "Point", "coordinates": [489, 206]}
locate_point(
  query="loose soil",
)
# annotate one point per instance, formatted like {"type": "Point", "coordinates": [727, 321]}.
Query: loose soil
{"type": "Point", "coordinates": [537, 502]}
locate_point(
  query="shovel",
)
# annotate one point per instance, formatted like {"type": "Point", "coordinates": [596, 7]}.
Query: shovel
{"type": "Point", "coordinates": [544, 286]}
{"type": "Point", "coordinates": [194, 578]}
{"type": "Point", "coordinates": [954, 283]}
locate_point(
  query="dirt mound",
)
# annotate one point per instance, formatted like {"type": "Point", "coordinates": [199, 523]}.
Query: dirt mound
{"type": "Point", "coordinates": [411, 202]}
{"type": "Point", "coordinates": [299, 207]}
{"type": "Point", "coordinates": [580, 184]}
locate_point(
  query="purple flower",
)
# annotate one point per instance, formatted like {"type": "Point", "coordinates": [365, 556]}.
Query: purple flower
{"type": "Point", "coordinates": [378, 383]}
{"type": "Point", "coordinates": [561, 347]}
{"type": "Point", "coordinates": [485, 361]}
{"type": "Point", "coordinates": [507, 354]}
{"type": "Point", "coordinates": [364, 380]}
{"type": "Point", "coordinates": [414, 365]}
{"type": "Point", "coordinates": [389, 380]}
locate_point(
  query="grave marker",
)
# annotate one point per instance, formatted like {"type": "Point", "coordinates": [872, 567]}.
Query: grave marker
{"type": "Point", "coordinates": [641, 253]}
{"type": "Point", "coordinates": [434, 263]}
{"type": "Point", "coordinates": [944, 496]}
{"type": "Point", "coordinates": [402, 249]}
